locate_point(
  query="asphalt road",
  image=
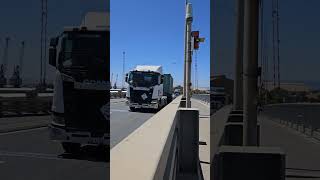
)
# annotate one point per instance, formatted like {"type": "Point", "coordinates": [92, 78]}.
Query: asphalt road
{"type": "Point", "coordinates": [123, 122]}
{"type": "Point", "coordinates": [29, 154]}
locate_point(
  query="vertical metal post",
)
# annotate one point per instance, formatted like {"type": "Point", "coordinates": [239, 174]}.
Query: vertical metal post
{"type": "Point", "coordinates": [185, 55]}
{"type": "Point", "coordinates": [123, 69]}
{"type": "Point", "coordinates": [45, 41]}
{"type": "Point", "coordinates": [41, 43]}
{"type": "Point", "coordinates": [251, 29]}
{"type": "Point", "coordinates": [238, 87]}
{"type": "Point", "coordinates": [188, 55]}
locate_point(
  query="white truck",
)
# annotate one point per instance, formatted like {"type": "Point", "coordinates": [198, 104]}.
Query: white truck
{"type": "Point", "coordinates": [148, 88]}
{"type": "Point", "coordinates": [80, 107]}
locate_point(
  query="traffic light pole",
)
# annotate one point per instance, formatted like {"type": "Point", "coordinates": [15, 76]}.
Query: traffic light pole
{"type": "Point", "coordinates": [185, 55]}
{"type": "Point", "coordinates": [188, 58]}
{"type": "Point", "coordinates": [251, 29]}
{"type": "Point", "coordinates": [238, 87]}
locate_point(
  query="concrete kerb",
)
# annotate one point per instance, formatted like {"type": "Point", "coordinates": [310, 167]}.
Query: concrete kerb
{"type": "Point", "coordinates": [143, 154]}
{"type": "Point", "coordinates": [154, 150]}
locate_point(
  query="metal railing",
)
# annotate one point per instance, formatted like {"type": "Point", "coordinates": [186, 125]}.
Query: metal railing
{"type": "Point", "coordinates": [202, 97]}
{"type": "Point", "coordinates": [24, 106]}
{"type": "Point", "coordinates": [164, 147]}
{"type": "Point", "coordinates": [303, 117]}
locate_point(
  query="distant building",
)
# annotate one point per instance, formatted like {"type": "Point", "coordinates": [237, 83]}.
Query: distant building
{"type": "Point", "coordinates": [291, 87]}
{"type": "Point", "coordinates": [222, 81]}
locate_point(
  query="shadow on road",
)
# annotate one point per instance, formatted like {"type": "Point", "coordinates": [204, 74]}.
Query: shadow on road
{"type": "Point", "coordinates": [89, 153]}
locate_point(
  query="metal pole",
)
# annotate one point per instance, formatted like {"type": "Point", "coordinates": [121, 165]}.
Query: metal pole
{"type": "Point", "coordinates": [251, 29]}
{"type": "Point", "coordinates": [185, 55]}
{"type": "Point", "coordinates": [278, 43]}
{"type": "Point", "coordinates": [123, 69]}
{"type": "Point", "coordinates": [188, 55]}
{"type": "Point", "coordinates": [238, 86]}
{"type": "Point", "coordinates": [41, 43]}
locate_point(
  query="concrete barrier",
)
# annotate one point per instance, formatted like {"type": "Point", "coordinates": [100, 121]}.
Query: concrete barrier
{"type": "Point", "coordinates": [165, 147]}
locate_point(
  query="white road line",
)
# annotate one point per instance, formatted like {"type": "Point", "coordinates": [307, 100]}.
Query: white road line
{"type": "Point", "coordinates": [118, 110]}
{"type": "Point", "coordinates": [23, 131]}
{"type": "Point", "coordinates": [31, 155]}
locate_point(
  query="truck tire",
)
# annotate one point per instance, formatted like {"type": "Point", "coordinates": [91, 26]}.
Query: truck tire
{"type": "Point", "coordinates": [71, 147]}
{"type": "Point", "coordinates": [132, 109]}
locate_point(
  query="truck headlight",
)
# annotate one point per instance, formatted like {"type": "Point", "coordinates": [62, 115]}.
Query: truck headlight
{"type": "Point", "coordinates": [58, 120]}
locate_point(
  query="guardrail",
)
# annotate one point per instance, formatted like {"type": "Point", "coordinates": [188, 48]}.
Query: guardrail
{"type": "Point", "coordinates": [202, 97]}
{"type": "Point", "coordinates": [16, 106]}
{"type": "Point", "coordinates": [303, 117]}
{"type": "Point", "coordinates": [117, 94]}
{"type": "Point", "coordinates": [165, 147]}
{"type": "Point", "coordinates": [16, 102]}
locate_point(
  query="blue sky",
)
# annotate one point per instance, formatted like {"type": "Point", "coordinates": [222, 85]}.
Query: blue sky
{"type": "Point", "coordinates": [21, 21]}
{"type": "Point", "coordinates": [299, 38]}
{"type": "Point", "coordinates": [152, 32]}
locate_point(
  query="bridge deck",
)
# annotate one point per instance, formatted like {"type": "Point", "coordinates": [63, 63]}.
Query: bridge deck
{"type": "Point", "coordinates": [302, 152]}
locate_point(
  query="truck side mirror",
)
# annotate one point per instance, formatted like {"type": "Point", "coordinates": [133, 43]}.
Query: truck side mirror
{"type": "Point", "coordinates": [52, 56]}
{"type": "Point", "coordinates": [126, 79]}
{"type": "Point", "coordinates": [161, 79]}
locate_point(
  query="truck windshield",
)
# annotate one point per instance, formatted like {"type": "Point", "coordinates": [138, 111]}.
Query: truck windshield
{"type": "Point", "coordinates": [143, 79]}
{"type": "Point", "coordinates": [82, 49]}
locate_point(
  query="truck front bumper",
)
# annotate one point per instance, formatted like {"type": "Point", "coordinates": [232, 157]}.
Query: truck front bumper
{"type": "Point", "coordinates": [59, 133]}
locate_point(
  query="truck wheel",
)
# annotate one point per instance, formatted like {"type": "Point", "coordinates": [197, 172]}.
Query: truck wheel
{"type": "Point", "coordinates": [71, 147]}
{"type": "Point", "coordinates": [132, 109]}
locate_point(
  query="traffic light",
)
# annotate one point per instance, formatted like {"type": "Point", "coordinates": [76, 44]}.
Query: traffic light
{"type": "Point", "coordinates": [196, 39]}
{"type": "Point", "coordinates": [195, 35]}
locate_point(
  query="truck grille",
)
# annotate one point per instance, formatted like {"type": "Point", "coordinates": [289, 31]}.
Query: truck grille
{"type": "Point", "coordinates": [136, 96]}
{"type": "Point", "coordinates": [82, 109]}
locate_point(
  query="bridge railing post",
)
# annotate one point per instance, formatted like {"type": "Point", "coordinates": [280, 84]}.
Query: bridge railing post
{"type": "Point", "coordinates": [188, 141]}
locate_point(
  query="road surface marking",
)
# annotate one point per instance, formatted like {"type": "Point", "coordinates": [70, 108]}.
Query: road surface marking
{"type": "Point", "coordinates": [23, 131]}
{"type": "Point", "coordinates": [31, 155]}
{"type": "Point", "coordinates": [118, 110]}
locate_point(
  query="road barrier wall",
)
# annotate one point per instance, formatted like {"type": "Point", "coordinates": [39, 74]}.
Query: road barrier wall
{"type": "Point", "coordinates": [165, 147]}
